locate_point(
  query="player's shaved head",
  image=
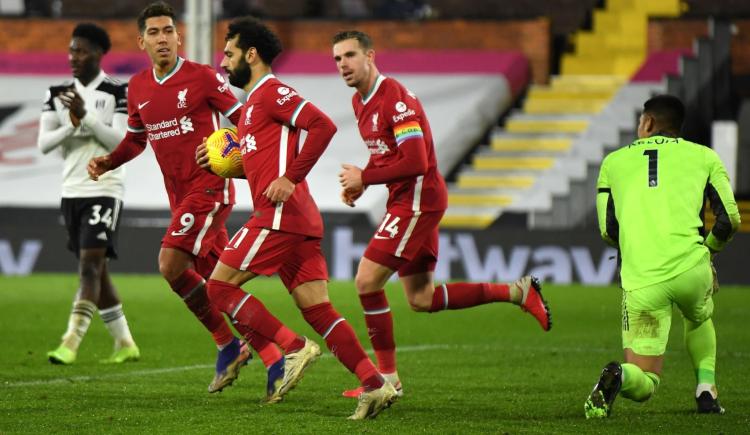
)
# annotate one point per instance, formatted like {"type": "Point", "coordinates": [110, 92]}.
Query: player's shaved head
{"type": "Point", "coordinates": [365, 42]}
{"type": "Point", "coordinates": [251, 32]}
{"type": "Point", "coordinates": [667, 111]}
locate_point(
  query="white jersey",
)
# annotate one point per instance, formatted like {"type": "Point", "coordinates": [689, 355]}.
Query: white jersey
{"type": "Point", "coordinates": [101, 130]}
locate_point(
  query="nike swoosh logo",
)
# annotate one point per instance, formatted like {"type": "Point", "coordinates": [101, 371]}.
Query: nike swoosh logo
{"type": "Point", "coordinates": [381, 237]}
{"type": "Point", "coordinates": [142, 105]}
{"type": "Point", "coordinates": [177, 233]}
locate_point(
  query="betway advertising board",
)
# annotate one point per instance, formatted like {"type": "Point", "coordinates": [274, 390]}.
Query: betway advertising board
{"type": "Point", "coordinates": [33, 240]}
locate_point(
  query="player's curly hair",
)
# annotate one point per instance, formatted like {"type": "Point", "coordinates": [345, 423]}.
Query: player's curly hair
{"type": "Point", "coordinates": [363, 38]}
{"type": "Point", "coordinates": [253, 33]}
{"type": "Point", "coordinates": [156, 9]}
{"type": "Point", "coordinates": [94, 34]}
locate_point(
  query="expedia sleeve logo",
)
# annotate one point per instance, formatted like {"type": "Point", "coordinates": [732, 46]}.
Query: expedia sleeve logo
{"type": "Point", "coordinates": [404, 112]}
{"type": "Point", "coordinates": [287, 93]}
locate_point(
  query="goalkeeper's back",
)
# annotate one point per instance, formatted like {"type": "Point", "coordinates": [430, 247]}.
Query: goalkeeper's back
{"type": "Point", "coordinates": [651, 195]}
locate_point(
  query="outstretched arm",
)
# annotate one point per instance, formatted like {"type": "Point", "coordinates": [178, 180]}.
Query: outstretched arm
{"type": "Point", "coordinates": [131, 146]}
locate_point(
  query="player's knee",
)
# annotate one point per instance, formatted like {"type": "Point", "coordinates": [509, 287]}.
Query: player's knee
{"type": "Point", "coordinates": [365, 283]}
{"type": "Point", "coordinates": [420, 302]}
{"type": "Point", "coordinates": [91, 269]}
{"type": "Point", "coordinates": [170, 271]}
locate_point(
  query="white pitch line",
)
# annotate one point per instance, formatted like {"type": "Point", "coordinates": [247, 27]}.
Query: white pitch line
{"type": "Point", "coordinates": [400, 349]}
{"type": "Point", "coordinates": [147, 372]}
{"type": "Point", "coordinates": [74, 379]}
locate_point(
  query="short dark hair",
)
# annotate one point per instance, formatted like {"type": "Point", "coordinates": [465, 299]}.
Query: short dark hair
{"type": "Point", "coordinates": [668, 112]}
{"type": "Point", "coordinates": [156, 9]}
{"type": "Point", "coordinates": [253, 33]}
{"type": "Point", "coordinates": [363, 38]}
{"type": "Point", "coordinates": [94, 34]}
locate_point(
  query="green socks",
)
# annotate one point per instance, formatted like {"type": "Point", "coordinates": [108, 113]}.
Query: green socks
{"type": "Point", "coordinates": [700, 341]}
{"type": "Point", "coordinates": [636, 384]}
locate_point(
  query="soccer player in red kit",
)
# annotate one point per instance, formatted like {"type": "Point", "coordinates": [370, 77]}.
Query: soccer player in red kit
{"type": "Point", "coordinates": [284, 233]}
{"type": "Point", "coordinates": [173, 106]}
{"type": "Point", "coordinates": [402, 156]}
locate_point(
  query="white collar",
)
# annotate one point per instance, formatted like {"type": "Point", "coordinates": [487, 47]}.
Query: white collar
{"type": "Point", "coordinates": [374, 89]}
{"type": "Point", "coordinates": [93, 84]}
{"type": "Point", "coordinates": [262, 80]}
{"type": "Point", "coordinates": [174, 70]}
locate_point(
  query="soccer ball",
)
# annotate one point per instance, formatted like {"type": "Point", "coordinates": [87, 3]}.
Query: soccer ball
{"type": "Point", "coordinates": [224, 154]}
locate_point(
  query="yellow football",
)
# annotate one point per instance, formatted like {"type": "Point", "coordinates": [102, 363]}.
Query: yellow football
{"type": "Point", "coordinates": [224, 154]}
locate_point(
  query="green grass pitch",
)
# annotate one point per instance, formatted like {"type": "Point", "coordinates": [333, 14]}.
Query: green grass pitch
{"type": "Point", "coordinates": [484, 370]}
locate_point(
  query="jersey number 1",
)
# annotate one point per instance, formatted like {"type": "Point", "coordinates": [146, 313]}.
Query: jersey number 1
{"type": "Point", "coordinates": [653, 157]}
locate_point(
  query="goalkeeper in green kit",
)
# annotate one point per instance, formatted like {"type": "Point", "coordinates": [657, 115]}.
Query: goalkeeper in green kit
{"type": "Point", "coordinates": [650, 195]}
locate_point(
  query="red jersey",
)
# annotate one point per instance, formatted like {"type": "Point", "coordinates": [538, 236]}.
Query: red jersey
{"type": "Point", "coordinates": [395, 129]}
{"type": "Point", "coordinates": [174, 113]}
{"type": "Point", "coordinates": [269, 130]}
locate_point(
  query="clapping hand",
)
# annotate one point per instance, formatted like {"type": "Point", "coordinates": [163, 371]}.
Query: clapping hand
{"type": "Point", "coordinates": [73, 101]}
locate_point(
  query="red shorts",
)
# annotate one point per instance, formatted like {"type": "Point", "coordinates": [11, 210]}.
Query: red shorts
{"type": "Point", "coordinates": [295, 257]}
{"type": "Point", "coordinates": [406, 242]}
{"type": "Point", "coordinates": [198, 228]}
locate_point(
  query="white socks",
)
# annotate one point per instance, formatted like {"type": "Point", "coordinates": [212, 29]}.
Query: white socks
{"type": "Point", "coordinates": [114, 320]}
{"type": "Point", "coordinates": [706, 387]}
{"type": "Point", "coordinates": [78, 323]}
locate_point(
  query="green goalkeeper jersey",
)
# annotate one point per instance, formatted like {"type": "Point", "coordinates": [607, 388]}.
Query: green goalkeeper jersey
{"type": "Point", "coordinates": [650, 197]}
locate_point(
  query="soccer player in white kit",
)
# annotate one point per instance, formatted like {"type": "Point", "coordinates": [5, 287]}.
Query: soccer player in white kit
{"type": "Point", "coordinates": [87, 118]}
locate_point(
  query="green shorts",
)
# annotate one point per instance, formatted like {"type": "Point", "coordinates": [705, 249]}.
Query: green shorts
{"type": "Point", "coordinates": [647, 311]}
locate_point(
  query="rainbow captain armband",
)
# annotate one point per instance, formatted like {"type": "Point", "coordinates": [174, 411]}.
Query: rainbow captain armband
{"type": "Point", "coordinates": [406, 131]}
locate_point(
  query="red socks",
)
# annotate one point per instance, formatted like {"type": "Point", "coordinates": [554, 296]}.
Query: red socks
{"type": "Point", "coordinates": [342, 341]}
{"type": "Point", "coordinates": [379, 322]}
{"type": "Point", "coordinates": [192, 289]}
{"type": "Point", "coordinates": [266, 350]}
{"type": "Point", "coordinates": [455, 296]}
{"type": "Point", "coordinates": [249, 312]}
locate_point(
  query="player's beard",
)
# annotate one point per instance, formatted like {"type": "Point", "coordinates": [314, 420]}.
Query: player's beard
{"type": "Point", "coordinates": [241, 75]}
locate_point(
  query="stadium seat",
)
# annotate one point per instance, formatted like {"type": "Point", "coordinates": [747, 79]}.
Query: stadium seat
{"type": "Point", "coordinates": [539, 164]}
